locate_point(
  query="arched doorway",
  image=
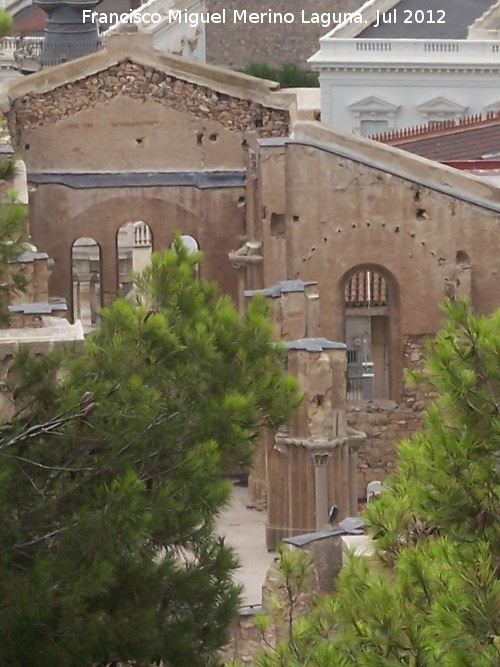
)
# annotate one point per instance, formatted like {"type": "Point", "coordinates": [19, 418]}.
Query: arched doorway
{"type": "Point", "coordinates": [86, 288]}
{"type": "Point", "coordinates": [134, 245]}
{"type": "Point", "coordinates": [367, 309]}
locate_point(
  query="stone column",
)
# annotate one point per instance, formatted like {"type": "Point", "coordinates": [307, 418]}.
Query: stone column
{"type": "Point", "coordinates": [309, 465]}
{"type": "Point", "coordinates": [321, 487]}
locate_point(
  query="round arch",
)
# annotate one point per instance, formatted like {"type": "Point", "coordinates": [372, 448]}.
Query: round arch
{"type": "Point", "coordinates": [134, 245]}
{"type": "Point", "coordinates": [370, 295]}
{"type": "Point", "coordinates": [86, 281]}
{"type": "Point", "coordinates": [101, 222]}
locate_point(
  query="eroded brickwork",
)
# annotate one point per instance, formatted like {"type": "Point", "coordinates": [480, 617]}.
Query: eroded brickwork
{"type": "Point", "coordinates": [387, 423]}
{"type": "Point", "coordinates": [145, 84]}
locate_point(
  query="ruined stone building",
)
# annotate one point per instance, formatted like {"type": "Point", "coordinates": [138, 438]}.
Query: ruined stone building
{"type": "Point", "coordinates": [132, 139]}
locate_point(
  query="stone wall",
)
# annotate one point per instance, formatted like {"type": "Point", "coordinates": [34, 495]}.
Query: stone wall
{"type": "Point", "coordinates": [325, 554]}
{"type": "Point", "coordinates": [387, 423]}
{"type": "Point", "coordinates": [237, 44]}
{"type": "Point", "coordinates": [145, 84]}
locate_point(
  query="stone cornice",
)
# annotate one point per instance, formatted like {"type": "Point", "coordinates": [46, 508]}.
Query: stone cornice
{"type": "Point", "coordinates": [414, 69]}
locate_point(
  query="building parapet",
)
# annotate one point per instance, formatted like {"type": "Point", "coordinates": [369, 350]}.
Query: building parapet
{"type": "Point", "coordinates": [406, 52]}
{"type": "Point", "coordinates": [369, 12]}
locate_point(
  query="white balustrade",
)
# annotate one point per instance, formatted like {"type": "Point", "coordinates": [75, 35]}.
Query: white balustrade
{"type": "Point", "coordinates": [408, 51]}
{"type": "Point", "coordinates": [142, 235]}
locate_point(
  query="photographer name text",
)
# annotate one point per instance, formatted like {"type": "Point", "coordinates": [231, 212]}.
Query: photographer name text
{"type": "Point", "coordinates": [243, 16]}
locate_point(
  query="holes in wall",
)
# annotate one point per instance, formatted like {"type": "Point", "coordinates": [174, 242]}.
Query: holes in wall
{"type": "Point", "coordinates": [339, 231]}
{"type": "Point", "coordinates": [416, 195]}
{"type": "Point", "coordinates": [462, 258]}
{"type": "Point", "coordinates": [325, 239]}
{"type": "Point", "coordinates": [353, 226]}
{"type": "Point", "coordinates": [396, 230]}
{"type": "Point", "coordinates": [27, 147]}
{"type": "Point", "coordinates": [278, 225]}
{"type": "Point", "coordinates": [296, 218]}
{"type": "Point", "coordinates": [259, 122]}
{"type": "Point", "coordinates": [213, 137]}
{"type": "Point", "coordinates": [241, 202]}
{"type": "Point", "coordinates": [139, 141]}
{"type": "Point", "coordinates": [319, 400]}
{"type": "Point", "coordinates": [199, 139]}
{"type": "Point", "coordinates": [421, 214]}
{"type": "Point", "coordinates": [368, 224]}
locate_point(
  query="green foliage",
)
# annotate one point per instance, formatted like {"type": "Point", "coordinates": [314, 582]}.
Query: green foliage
{"type": "Point", "coordinates": [12, 218]}
{"type": "Point", "coordinates": [112, 477]}
{"type": "Point", "coordinates": [431, 595]}
{"type": "Point", "coordinates": [287, 75]}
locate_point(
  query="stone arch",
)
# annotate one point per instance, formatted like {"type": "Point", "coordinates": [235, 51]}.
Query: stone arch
{"type": "Point", "coordinates": [134, 245]}
{"type": "Point", "coordinates": [192, 245]}
{"type": "Point", "coordinates": [86, 281]}
{"type": "Point", "coordinates": [371, 314]}
{"type": "Point", "coordinates": [99, 222]}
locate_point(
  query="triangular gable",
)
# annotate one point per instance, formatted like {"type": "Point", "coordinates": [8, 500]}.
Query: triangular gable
{"type": "Point", "coordinates": [493, 107]}
{"type": "Point", "coordinates": [240, 103]}
{"type": "Point", "coordinates": [373, 104]}
{"type": "Point", "coordinates": [441, 105]}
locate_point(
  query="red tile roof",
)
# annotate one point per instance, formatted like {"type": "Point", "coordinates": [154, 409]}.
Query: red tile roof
{"type": "Point", "coordinates": [361, 292]}
{"type": "Point", "coordinates": [471, 139]}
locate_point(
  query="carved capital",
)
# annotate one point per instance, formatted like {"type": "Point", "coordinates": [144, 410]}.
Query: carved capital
{"type": "Point", "coordinates": [321, 459]}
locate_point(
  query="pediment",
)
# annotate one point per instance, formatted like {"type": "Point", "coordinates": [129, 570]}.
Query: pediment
{"type": "Point", "coordinates": [441, 104]}
{"type": "Point", "coordinates": [148, 84]}
{"type": "Point", "coordinates": [373, 104]}
{"type": "Point", "coordinates": [494, 107]}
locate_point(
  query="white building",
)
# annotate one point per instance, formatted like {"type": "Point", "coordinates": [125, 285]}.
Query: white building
{"type": "Point", "coordinates": [172, 34]}
{"type": "Point", "coordinates": [381, 77]}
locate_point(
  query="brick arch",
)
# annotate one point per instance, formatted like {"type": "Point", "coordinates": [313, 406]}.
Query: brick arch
{"type": "Point", "coordinates": [101, 222]}
{"type": "Point", "coordinates": [71, 302]}
{"type": "Point", "coordinates": [143, 246]}
{"type": "Point", "coordinates": [393, 301]}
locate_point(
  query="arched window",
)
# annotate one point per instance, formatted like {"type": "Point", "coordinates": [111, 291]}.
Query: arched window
{"type": "Point", "coordinates": [86, 281]}
{"type": "Point", "coordinates": [191, 245]}
{"type": "Point", "coordinates": [134, 245]}
{"type": "Point", "coordinates": [367, 334]}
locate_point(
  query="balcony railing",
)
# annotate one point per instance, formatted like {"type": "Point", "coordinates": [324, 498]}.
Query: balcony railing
{"type": "Point", "coordinates": [25, 53]}
{"type": "Point", "coordinates": [435, 51]}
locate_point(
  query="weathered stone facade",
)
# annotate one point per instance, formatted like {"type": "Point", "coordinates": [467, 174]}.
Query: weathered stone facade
{"type": "Point", "coordinates": [237, 44]}
{"type": "Point", "coordinates": [315, 205]}
{"type": "Point", "coordinates": [386, 423]}
{"type": "Point", "coordinates": [145, 83]}
{"type": "Point", "coordinates": [325, 554]}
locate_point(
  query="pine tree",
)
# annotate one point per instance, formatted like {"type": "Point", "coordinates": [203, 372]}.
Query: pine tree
{"type": "Point", "coordinates": [12, 220]}
{"type": "Point", "coordinates": [431, 595]}
{"type": "Point", "coordinates": [113, 477]}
